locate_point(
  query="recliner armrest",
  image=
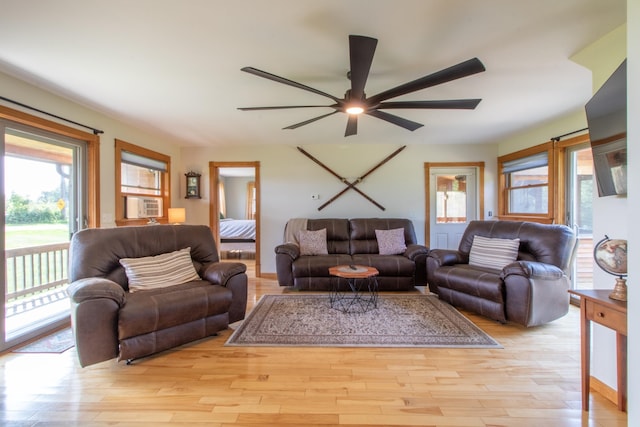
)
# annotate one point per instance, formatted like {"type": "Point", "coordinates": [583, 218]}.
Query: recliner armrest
{"type": "Point", "coordinates": [218, 273]}
{"type": "Point", "coordinates": [532, 269]}
{"type": "Point", "coordinates": [413, 251]}
{"type": "Point", "coordinates": [290, 249]}
{"type": "Point", "coordinates": [448, 257]}
{"type": "Point", "coordinates": [94, 288]}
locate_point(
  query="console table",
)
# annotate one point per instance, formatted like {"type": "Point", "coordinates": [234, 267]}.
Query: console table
{"type": "Point", "coordinates": [596, 306]}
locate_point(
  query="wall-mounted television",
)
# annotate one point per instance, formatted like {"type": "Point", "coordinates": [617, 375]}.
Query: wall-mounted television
{"type": "Point", "coordinates": [607, 121]}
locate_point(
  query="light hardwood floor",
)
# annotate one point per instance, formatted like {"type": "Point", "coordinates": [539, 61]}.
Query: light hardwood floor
{"type": "Point", "coordinates": [533, 381]}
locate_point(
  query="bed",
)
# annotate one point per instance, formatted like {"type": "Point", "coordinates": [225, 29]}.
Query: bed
{"type": "Point", "coordinates": [237, 230]}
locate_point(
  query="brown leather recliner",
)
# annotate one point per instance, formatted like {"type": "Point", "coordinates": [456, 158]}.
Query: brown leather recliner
{"type": "Point", "coordinates": [530, 291]}
{"type": "Point", "coordinates": [109, 321]}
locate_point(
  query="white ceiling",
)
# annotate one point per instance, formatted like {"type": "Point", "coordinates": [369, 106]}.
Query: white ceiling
{"type": "Point", "coordinates": [173, 66]}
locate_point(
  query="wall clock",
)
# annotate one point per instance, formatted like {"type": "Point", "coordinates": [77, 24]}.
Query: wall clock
{"type": "Point", "coordinates": [193, 185]}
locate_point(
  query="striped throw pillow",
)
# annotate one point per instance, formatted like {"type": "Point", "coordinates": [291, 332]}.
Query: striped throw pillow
{"type": "Point", "coordinates": [159, 271]}
{"type": "Point", "coordinates": [493, 253]}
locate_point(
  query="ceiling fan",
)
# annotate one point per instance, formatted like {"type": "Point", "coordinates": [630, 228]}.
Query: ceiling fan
{"type": "Point", "coordinates": [355, 102]}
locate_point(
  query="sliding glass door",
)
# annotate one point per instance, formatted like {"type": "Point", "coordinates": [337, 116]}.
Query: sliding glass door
{"type": "Point", "coordinates": [44, 187]}
{"type": "Point", "coordinates": [579, 210]}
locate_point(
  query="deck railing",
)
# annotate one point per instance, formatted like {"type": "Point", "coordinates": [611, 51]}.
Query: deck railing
{"type": "Point", "coordinates": [35, 269]}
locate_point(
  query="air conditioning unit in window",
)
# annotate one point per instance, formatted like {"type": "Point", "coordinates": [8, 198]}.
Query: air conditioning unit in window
{"type": "Point", "coordinates": [143, 207]}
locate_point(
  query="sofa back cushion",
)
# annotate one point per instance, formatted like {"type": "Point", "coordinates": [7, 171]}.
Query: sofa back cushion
{"type": "Point", "coordinates": [546, 243]}
{"type": "Point", "coordinates": [337, 233]}
{"type": "Point", "coordinates": [363, 233]}
{"type": "Point", "coordinates": [96, 252]}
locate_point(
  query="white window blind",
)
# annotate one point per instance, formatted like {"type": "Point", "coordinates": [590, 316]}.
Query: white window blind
{"type": "Point", "coordinates": [143, 162]}
{"type": "Point", "coordinates": [529, 162]}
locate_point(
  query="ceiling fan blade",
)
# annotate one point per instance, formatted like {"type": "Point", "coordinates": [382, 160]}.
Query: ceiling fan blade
{"type": "Point", "coordinates": [361, 50]}
{"type": "Point", "coordinates": [282, 80]}
{"type": "Point", "coordinates": [463, 69]}
{"type": "Point", "coordinates": [453, 104]}
{"type": "Point", "coordinates": [399, 121]}
{"type": "Point", "coordinates": [306, 122]}
{"type": "Point", "coordinates": [352, 125]}
{"type": "Point", "coordinates": [282, 107]}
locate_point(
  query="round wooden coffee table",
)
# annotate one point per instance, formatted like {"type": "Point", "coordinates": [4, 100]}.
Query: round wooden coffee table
{"type": "Point", "coordinates": [361, 294]}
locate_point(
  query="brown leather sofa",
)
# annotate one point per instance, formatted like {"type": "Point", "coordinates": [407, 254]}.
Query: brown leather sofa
{"type": "Point", "coordinates": [352, 241]}
{"type": "Point", "coordinates": [109, 321]}
{"type": "Point", "coordinates": [529, 291]}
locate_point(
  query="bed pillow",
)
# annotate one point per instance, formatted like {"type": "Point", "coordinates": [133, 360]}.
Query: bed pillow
{"type": "Point", "coordinates": [159, 271]}
{"type": "Point", "coordinates": [391, 242]}
{"type": "Point", "coordinates": [493, 253]}
{"type": "Point", "coordinates": [313, 242]}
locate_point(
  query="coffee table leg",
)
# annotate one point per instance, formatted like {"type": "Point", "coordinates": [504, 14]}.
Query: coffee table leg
{"type": "Point", "coordinates": [364, 298]}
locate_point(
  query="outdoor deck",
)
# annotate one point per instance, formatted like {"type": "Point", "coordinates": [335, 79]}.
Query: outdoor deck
{"type": "Point", "coordinates": [36, 282]}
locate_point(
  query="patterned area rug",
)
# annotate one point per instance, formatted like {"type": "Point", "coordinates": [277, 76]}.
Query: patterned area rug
{"type": "Point", "coordinates": [399, 321]}
{"type": "Point", "coordinates": [57, 342]}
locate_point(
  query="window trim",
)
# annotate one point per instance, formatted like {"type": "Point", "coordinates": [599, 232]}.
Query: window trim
{"type": "Point", "coordinates": [165, 185]}
{"type": "Point", "coordinates": [561, 188]}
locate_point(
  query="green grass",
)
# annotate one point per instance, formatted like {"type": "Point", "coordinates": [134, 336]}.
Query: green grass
{"type": "Point", "coordinates": [22, 236]}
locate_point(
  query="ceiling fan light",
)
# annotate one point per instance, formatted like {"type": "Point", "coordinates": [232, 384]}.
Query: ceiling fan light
{"type": "Point", "coordinates": [355, 109]}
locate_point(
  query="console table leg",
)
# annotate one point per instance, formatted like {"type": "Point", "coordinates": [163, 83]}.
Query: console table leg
{"type": "Point", "coordinates": [585, 355]}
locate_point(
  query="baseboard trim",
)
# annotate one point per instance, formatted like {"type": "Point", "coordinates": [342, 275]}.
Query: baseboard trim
{"type": "Point", "coordinates": [603, 389]}
{"type": "Point", "coordinates": [271, 276]}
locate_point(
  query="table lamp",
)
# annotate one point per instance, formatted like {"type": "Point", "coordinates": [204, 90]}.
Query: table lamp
{"type": "Point", "coordinates": [177, 215]}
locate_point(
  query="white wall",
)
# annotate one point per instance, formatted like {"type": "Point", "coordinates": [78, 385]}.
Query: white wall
{"type": "Point", "coordinates": [35, 97]}
{"type": "Point", "coordinates": [288, 179]}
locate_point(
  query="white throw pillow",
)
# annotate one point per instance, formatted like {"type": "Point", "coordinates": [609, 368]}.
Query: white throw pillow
{"type": "Point", "coordinates": [159, 271]}
{"type": "Point", "coordinates": [493, 253]}
{"type": "Point", "coordinates": [313, 242]}
{"type": "Point", "coordinates": [391, 242]}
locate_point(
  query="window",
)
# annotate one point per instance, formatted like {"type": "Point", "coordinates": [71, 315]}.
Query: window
{"type": "Point", "coordinates": [142, 184]}
{"type": "Point", "coordinates": [250, 211]}
{"type": "Point", "coordinates": [525, 179]}
{"type": "Point", "coordinates": [451, 199]}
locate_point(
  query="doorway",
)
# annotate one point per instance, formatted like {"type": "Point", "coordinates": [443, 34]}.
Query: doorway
{"type": "Point", "coordinates": [234, 212]}
{"type": "Point", "coordinates": [454, 198]}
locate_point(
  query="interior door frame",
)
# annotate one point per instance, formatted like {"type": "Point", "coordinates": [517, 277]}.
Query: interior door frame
{"type": "Point", "coordinates": [214, 197]}
{"type": "Point", "coordinates": [427, 185]}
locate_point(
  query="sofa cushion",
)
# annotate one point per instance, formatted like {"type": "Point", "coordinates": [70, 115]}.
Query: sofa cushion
{"type": "Point", "coordinates": [318, 266]}
{"type": "Point", "coordinates": [163, 308]}
{"type": "Point", "coordinates": [337, 233]}
{"type": "Point", "coordinates": [493, 253]}
{"type": "Point", "coordinates": [159, 271]}
{"type": "Point", "coordinates": [313, 242]}
{"type": "Point", "coordinates": [363, 233]}
{"type": "Point", "coordinates": [480, 282]}
{"type": "Point", "coordinates": [391, 242]}
{"type": "Point", "coordinates": [387, 265]}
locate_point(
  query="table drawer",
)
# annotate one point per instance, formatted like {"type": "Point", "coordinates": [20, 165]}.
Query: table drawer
{"type": "Point", "coordinates": [606, 316]}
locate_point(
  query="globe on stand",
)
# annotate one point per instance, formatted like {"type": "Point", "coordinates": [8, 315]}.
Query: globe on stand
{"type": "Point", "coordinates": [611, 256]}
